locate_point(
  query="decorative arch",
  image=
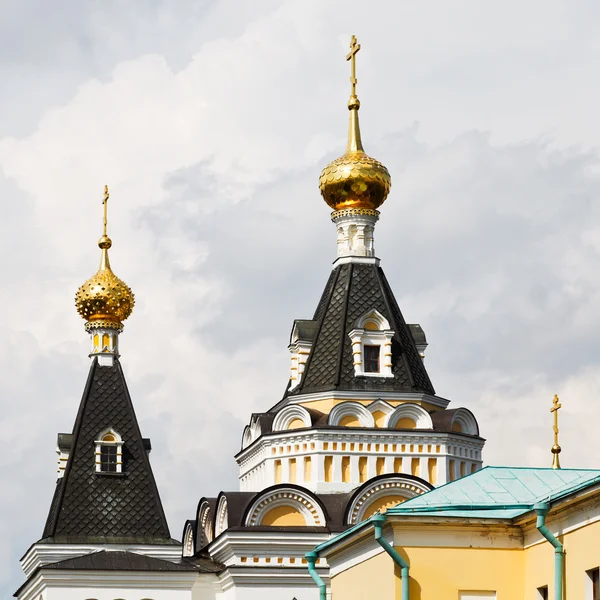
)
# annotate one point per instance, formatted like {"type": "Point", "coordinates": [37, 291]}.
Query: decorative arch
{"type": "Point", "coordinates": [188, 539]}
{"type": "Point", "coordinates": [350, 409]}
{"type": "Point", "coordinates": [414, 412]}
{"type": "Point", "coordinates": [294, 498]}
{"type": "Point", "coordinates": [221, 516]}
{"type": "Point", "coordinates": [246, 437]}
{"type": "Point", "coordinates": [373, 321]}
{"type": "Point", "coordinates": [380, 492]}
{"type": "Point", "coordinates": [466, 422]}
{"type": "Point", "coordinates": [286, 417]}
{"type": "Point", "coordinates": [204, 523]}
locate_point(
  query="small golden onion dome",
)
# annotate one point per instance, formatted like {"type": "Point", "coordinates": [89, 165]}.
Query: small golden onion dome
{"type": "Point", "coordinates": [355, 180]}
{"type": "Point", "coordinates": [104, 300]}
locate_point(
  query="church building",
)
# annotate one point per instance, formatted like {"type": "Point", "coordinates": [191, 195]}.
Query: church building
{"type": "Point", "coordinates": [359, 429]}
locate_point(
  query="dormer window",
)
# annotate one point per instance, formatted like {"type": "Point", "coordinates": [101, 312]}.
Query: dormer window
{"type": "Point", "coordinates": [372, 346]}
{"type": "Point", "coordinates": [371, 356]}
{"type": "Point", "coordinates": [109, 455]}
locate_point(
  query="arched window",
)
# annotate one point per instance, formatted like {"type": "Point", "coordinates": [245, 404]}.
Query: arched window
{"type": "Point", "coordinates": [372, 345]}
{"type": "Point", "coordinates": [109, 452]}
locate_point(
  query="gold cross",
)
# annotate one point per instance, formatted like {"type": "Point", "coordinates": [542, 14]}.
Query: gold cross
{"type": "Point", "coordinates": [556, 406]}
{"type": "Point", "coordinates": [351, 56]}
{"type": "Point", "coordinates": [105, 203]}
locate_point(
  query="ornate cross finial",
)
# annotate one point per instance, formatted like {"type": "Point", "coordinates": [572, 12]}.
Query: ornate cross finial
{"type": "Point", "coordinates": [351, 56]}
{"type": "Point", "coordinates": [105, 203]}
{"type": "Point", "coordinates": [556, 406]}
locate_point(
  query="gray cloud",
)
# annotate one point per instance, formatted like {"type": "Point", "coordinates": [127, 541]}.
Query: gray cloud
{"type": "Point", "coordinates": [211, 121]}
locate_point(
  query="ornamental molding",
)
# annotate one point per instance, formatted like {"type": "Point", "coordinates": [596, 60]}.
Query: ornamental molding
{"type": "Point", "coordinates": [354, 212]}
{"type": "Point", "coordinates": [310, 509]}
{"type": "Point", "coordinates": [397, 485]}
{"type": "Point", "coordinates": [415, 412]}
{"type": "Point", "coordinates": [102, 324]}
{"type": "Point", "coordinates": [351, 409]}
{"type": "Point", "coordinates": [288, 414]}
{"type": "Point", "coordinates": [222, 516]}
{"type": "Point", "coordinates": [188, 541]}
{"type": "Point", "coordinates": [466, 420]}
{"type": "Point", "coordinates": [206, 525]}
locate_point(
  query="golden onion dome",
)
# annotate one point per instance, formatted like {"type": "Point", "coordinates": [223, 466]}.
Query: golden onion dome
{"type": "Point", "coordinates": [354, 180]}
{"type": "Point", "coordinates": [104, 300]}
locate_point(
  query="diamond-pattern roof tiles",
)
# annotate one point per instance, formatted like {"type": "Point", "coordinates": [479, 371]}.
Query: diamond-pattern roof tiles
{"type": "Point", "coordinates": [107, 506]}
{"type": "Point", "coordinates": [352, 290]}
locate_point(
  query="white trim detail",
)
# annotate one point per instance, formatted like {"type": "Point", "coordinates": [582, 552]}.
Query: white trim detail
{"type": "Point", "coordinates": [353, 409]}
{"type": "Point", "coordinates": [222, 516]}
{"type": "Point", "coordinates": [415, 412]}
{"type": "Point", "coordinates": [247, 437]}
{"type": "Point", "coordinates": [466, 420]}
{"type": "Point", "coordinates": [188, 541]}
{"type": "Point", "coordinates": [299, 499]}
{"type": "Point", "coordinates": [291, 412]}
{"type": "Point", "coordinates": [205, 520]}
{"type": "Point", "coordinates": [361, 260]}
{"type": "Point", "coordinates": [381, 337]}
{"type": "Point", "coordinates": [394, 484]}
{"type": "Point", "coordinates": [380, 405]}
{"type": "Point", "coordinates": [300, 350]}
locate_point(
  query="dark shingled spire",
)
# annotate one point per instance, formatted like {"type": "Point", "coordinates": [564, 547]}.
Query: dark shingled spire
{"type": "Point", "coordinates": [91, 507]}
{"type": "Point", "coordinates": [354, 289]}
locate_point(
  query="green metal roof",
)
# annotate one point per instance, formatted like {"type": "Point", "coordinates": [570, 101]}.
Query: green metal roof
{"type": "Point", "coordinates": [491, 493]}
{"type": "Point", "coordinates": [499, 492]}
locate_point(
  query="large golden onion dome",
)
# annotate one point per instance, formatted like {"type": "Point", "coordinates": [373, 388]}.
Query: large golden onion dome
{"type": "Point", "coordinates": [354, 180]}
{"type": "Point", "coordinates": [104, 300]}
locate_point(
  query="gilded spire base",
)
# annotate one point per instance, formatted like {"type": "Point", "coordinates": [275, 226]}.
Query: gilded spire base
{"type": "Point", "coordinates": [104, 301]}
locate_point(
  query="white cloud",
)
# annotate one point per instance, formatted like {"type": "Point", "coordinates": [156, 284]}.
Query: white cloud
{"type": "Point", "coordinates": [211, 125]}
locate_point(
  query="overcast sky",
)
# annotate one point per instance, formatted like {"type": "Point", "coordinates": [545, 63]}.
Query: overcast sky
{"type": "Point", "coordinates": [210, 121]}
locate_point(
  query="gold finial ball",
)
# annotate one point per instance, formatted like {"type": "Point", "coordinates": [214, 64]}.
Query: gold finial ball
{"type": "Point", "coordinates": [104, 242]}
{"type": "Point", "coordinates": [355, 180]}
{"type": "Point", "coordinates": [556, 449]}
{"type": "Point", "coordinates": [104, 300]}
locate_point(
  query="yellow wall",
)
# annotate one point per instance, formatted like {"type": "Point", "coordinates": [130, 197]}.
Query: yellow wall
{"type": "Point", "coordinates": [370, 580]}
{"type": "Point", "coordinates": [440, 573]}
{"type": "Point", "coordinates": [349, 421]}
{"type": "Point", "coordinates": [379, 418]}
{"type": "Point", "coordinates": [283, 516]}
{"type": "Point", "coordinates": [582, 554]}
{"type": "Point", "coordinates": [436, 574]}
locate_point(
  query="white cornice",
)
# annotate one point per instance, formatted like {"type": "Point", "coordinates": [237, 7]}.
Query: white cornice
{"type": "Point", "coordinates": [361, 260]}
{"type": "Point", "coordinates": [265, 576]}
{"type": "Point", "coordinates": [42, 554]}
{"type": "Point", "coordinates": [71, 579]}
{"type": "Point", "coordinates": [230, 546]}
